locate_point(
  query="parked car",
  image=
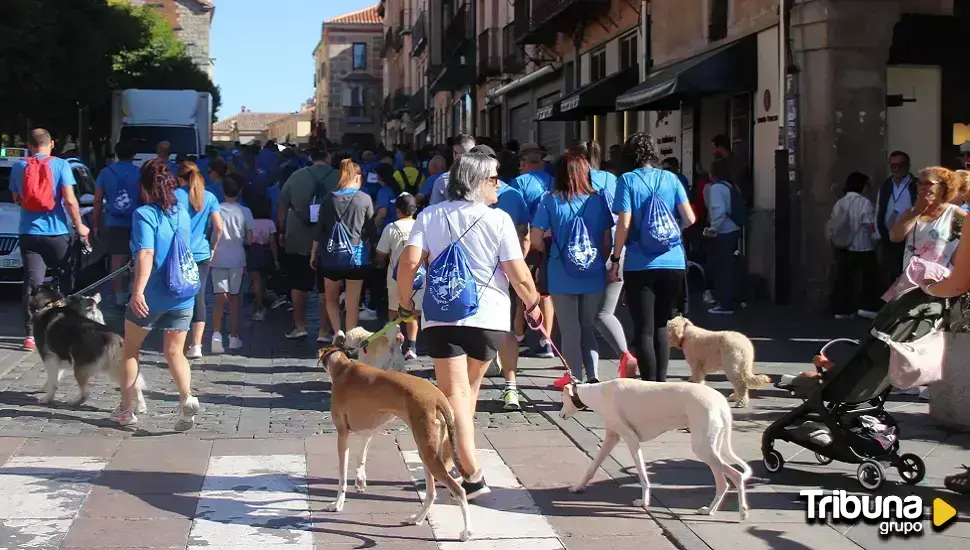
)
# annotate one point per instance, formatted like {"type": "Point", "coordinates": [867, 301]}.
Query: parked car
{"type": "Point", "coordinates": [88, 267]}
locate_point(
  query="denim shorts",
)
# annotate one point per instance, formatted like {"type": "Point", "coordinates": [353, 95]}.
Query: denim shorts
{"type": "Point", "coordinates": [175, 319]}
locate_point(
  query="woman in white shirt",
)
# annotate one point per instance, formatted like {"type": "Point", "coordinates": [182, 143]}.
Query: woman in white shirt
{"type": "Point", "coordinates": [857, 265]}
{"type": "Point", "coordinates": [463, 349]}
{"type": "Point", "coordinates": [928, 229]}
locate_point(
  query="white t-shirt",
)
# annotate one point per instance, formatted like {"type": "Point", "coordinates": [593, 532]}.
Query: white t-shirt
{"type": "Point", "coordinates": [236, 221]}
{"type": "Point", "coordinates": [492, 240]}
{"type": "Point", "coordinates": [931, 240]}
{"type": "Point", "coordinates": [393, 240]}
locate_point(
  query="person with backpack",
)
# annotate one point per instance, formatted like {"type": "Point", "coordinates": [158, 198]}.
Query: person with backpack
{"type": "Point", "coordinates": [579, 221]}
{"type": "Point", "coordinates": [298, 211]}
{"type": "Point", "coordinates": [345, 228]}
{"type": "Point", "coordinates": [117, 193]}
{"type": "Point", "coordinates": [43, 186]}
{"type": "Point", "coordinates": [727, 213]}
{"type": "Point", "coordinates": [474, 258]}
{"type": "Point", "coordinates": [392, 242]}
{"type": "Point", "coordinates": [205, 224]}
{"type": "Point", "coordinates": [849, 229]}
{"type": "Point", "coordinates": [166, 281]}
{"type": "Point", "coordinates": [655, 264]}
{"type": "Point", "coordinates": [607, 324]}
{"type": "Point", "coordinates": [409, 178]}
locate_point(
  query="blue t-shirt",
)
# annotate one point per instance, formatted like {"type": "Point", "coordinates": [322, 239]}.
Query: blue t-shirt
{"type": "Point", "coordinates": [203, 165]}
{"type": "Point", "coordinates": [216, 189]}
{"type": "Point", "coordinates": [511, 202]}
{"type": "Point", "coordinates": [371, 182]}
{"type": "Point", "coordinates": [44, 223]}
{"type": "Point", "coordinates": [199, 222]}
{"type": "Point", "coordinates": [557, 214]}
{"type": "Point", "coordinates": [273, 194]}
{"type": "Point", "coordinates": [428, 185]}
{"type": "Point", "coordinates": [121, 185]}
{"type": "Point", "coordinates": [533, 185]}
{"type": "Point", "coordinates": [151, 229]}
{"type": "Point", "coordinates": [633, 195]}
{"type": "Point", "coordinates": [386, 199]}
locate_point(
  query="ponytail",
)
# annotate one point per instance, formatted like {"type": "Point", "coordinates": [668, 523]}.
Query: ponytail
{"type": "Point", "coordinates": [189, 171]}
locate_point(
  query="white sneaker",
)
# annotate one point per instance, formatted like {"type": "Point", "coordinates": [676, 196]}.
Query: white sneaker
{"type": "Point", "coordinates": [924, 393]}
{"type": "Point", "coordinates": [367, 314]}
{"type": "Point", "coordinates": [280, 301]}
{"type": "Point", "coordinates": [123, 418]}
{"type": "Point", "coordinates": [194, 352]}
{"type": "Point", "coordinates": [709, 297]}
{"type": "Point", "coordinates": [866, 314]}
{"type": "Point", "coordinates": [259, 315]}
{"type": "Point", "coordinates": [217, 344]}
{"type": "Point", "coordinates": [409, 355]}
{"type": "Point", "coordinates": [296, 334]}
{"type": "Point", "coordinates": [235, 343]}
{"type": "Point", "coordinates": [187, 411]}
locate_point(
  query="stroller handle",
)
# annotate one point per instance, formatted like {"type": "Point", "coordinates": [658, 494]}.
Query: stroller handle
{"type": "Point", "coordinates": [830, 343]}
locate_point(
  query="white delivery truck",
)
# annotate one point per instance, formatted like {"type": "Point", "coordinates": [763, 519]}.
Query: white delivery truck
{"type": "Point", "coordinates": [146, 118]}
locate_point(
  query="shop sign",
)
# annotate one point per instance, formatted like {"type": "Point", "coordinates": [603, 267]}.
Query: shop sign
{"type": "Point", "coordinates": [569, 104]}
{"type": "Point", "coordinates": [666, 129]}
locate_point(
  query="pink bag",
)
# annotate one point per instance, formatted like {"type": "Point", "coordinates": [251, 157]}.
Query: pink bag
{"type": "Point", "coordinates": [916, 363]}
{"type": "Point", "coordinates": [916, 274]}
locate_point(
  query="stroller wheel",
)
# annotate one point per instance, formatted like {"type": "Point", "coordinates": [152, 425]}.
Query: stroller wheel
{"type": "Point", "coordinates": [871, 475]}
{"type": "Point", "coordinates": [774, 462]}
{"type": "Point", "coordinates": [822, 459]}
{"type": "Point", "coordinates": [911, 468]}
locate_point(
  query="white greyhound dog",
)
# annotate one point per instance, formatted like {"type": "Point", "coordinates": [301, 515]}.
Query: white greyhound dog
{"type": "Point", "coordinates": [637, 411]}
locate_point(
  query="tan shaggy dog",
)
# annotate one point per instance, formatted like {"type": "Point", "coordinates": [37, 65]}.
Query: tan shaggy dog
{"type": "Point", "coordinates": [384, 352]}
{"type": "Point", "coordinates": [708, 352]}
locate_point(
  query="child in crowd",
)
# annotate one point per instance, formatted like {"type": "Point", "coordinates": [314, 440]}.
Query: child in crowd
{"type": "Point", "coordinates": [389, 249]}
{"type": "Point", "coordinates": [229, 262]}
{"type": "Point", "coordinates": [263, 257]}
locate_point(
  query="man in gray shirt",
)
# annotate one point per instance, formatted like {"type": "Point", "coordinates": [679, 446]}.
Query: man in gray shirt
{"type": "Point", "coordinates": [463, 144]}
{"type": "Point", "coordinates": [298, 206]}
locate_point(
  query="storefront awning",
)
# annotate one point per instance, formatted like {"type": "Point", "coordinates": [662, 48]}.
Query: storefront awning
{"type": "Point", "coordinates": [595, 98]}
{"type": "Point", "coordinates": [731, 68]}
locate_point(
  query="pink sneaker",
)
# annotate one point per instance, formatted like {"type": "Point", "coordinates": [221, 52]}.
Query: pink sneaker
{"type": "Point", "coordinates": [627, 370]}
{"type": "Point", "coordinates": [29, 343]}
{"type": "Point", "coordinates": [562, 382]}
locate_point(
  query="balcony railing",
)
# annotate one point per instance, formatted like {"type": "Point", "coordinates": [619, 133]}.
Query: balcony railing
{"type": "Point", "coordinates": [419, 34]}
{"type": "Point", "coordinates": [419, 103]}
{"type": "Point", "coordinates": [489, 61]}
{"type": "Point", "coordinates": [459, 30]}
{"type": "Point", "coordinates": [449, 77]}
{"type": "Point", "coordinates": [513, 60]}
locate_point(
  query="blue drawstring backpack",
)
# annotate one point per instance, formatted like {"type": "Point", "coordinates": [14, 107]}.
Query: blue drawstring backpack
{"type": "Point", "coordinates": [126, 197]}
{"type": "Point", "coordinates": [419, 276]}
{"type": "Point", "coordinates": [340, 251]}
{"type": "Point", "coordinates": [452, 293]}
{"type": "Point", "coordinates": [181, 270]}
{"type": "Point", "coordinates": [659, 230]}
{"type": "Point", "coordinates": [579, 256]}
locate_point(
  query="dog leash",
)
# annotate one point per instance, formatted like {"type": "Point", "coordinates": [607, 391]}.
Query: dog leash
{"type": "Point", "coordinates": [129, 266]}
{"type": "Point", "coordinates": [538, 326]}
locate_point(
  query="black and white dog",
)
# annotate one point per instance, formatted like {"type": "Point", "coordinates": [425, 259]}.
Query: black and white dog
{"type": "Point", "coordinates": [71, 335]}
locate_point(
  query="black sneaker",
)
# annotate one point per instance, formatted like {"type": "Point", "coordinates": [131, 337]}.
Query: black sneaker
{"type": "Point", "coordinates": [475, 490]}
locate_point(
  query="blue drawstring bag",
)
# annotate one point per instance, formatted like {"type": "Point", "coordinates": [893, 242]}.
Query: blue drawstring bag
{"type": "Point", "coordinates": [340, 251]}
{"type": "Point", "coordinates": [452, 293]}
{"type": "Point", "coordinates": [419, 276]}
{"type": "Point", "coordinates": [579, 257]}
{"type": "Point", "coordinates": [181, 270]}
{"type": "Point", "coordinates": [659, 230]}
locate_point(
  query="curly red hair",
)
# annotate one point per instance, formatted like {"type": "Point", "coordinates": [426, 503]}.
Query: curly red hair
{"type": "Point", "coordinates": [159, 184]}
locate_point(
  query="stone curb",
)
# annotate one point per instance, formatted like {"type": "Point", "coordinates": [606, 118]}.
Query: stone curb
{"type": "Point", "coordinates": [678, 532]}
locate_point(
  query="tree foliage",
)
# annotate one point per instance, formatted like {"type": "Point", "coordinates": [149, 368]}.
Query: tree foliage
{"type": "Point", "coordinates": [58, 58]}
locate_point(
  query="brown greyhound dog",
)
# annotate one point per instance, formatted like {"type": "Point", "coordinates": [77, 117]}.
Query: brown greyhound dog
{"type": "Point", "coordinates": [365, 399]}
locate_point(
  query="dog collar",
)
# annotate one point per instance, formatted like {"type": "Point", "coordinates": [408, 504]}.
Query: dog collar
{"type": "Point", "coordinates": [325, 356]}
{"type": "Point", "coordinates": [50, 306]}
{"type": "Point", "coordinates": [577, 402]}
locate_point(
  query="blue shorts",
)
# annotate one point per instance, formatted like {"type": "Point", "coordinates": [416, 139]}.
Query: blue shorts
{"type": "Point", "coordinates": [175, 319]}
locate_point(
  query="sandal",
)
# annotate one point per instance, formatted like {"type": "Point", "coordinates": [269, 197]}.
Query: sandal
{"type": "Point", "coordinates": [959, 483]}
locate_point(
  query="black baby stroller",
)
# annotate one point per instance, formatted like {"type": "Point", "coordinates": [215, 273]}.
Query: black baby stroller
{"type": "Point", "coordinates": [843, 417]}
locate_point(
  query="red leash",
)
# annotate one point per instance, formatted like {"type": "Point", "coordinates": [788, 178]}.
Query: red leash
{"type": "Point", "coordinates": [539, 327]}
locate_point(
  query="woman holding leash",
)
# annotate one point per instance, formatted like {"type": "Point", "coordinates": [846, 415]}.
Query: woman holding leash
{"type": "Point", "coordinates": [579, 221]}
{"type": "Point", "coordinates": [162, 296]}
{"type": "Point", "coordinates": [475, 255]}
{"type": "Point", "coordinates": [203, 209]}
{"type": "Point", "coordinates": [655, 262]}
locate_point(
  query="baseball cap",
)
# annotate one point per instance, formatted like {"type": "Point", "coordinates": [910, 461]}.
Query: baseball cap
{"type": "Point", "coordinates": [485, 150]}
{"type": "Point", "coordinates": [530, 148]}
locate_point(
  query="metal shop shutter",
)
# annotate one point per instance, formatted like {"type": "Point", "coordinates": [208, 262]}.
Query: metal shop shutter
{"type": "Point", "coordinates": [550, 133]}
{"type": "Point", "coordinates": [520, 123]}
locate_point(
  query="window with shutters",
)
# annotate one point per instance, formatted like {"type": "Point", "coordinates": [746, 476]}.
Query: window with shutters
{"type": "Point", "coordinates": [718, 26]}
{"type": "Point", "coordinates": [597, 65]}
{"type": "Point", "coordinates": [628, 51]}
{"type": "Point", "coordinates": [360, 56]}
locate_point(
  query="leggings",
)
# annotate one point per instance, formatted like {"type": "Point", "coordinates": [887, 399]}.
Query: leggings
{"type": "Point", "coordinates": [607, 324]}
{"type": "Point", "coordinates": [37, 253]}
{"type": "Point", "coordinates": [652, 296]}
{"type": "Point", "coordinates": [576, 316]}
{"type": "Point", "coordinates": [198, 315]}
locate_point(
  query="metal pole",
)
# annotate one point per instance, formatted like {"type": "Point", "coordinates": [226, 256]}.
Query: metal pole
{"type": "Point", "coordinates": [782, 69]}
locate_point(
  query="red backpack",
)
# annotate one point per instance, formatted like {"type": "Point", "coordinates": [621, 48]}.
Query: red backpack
{"type": "Point", "coordinates": [37, 194]}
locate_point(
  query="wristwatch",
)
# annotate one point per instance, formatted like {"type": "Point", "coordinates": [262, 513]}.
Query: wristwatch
{"type": "Point", "coordinates": [614, 259]}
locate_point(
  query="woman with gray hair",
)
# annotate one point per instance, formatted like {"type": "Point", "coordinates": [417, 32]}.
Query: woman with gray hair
{"type": "Point", "coordinates": [463, 348]}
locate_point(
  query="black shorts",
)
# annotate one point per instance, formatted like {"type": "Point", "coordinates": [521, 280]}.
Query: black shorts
{"type": "Point", "coordinates": [353, 274]}
{"type": "Point", "coordinates": [259, 257]}
{"type": "Point", "coordinates": [445, 342]}
{"type": "Point", "coordinates": [116, 241]}
{"type": "Point", "coordinates": [299, 273]}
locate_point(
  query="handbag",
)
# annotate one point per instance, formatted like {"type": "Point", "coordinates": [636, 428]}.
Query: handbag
{"type": "Point", "coordinates": [916, 363]}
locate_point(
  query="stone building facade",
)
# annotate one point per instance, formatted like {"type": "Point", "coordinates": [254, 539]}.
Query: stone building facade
{"type": "Point", "coordinates": [349, 79]}
{"type": "Point", "coordinates": [192, 22]}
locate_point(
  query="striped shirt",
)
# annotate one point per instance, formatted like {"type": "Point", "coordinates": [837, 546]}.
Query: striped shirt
{"type": "Point", "coordinates": [861, 214]}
